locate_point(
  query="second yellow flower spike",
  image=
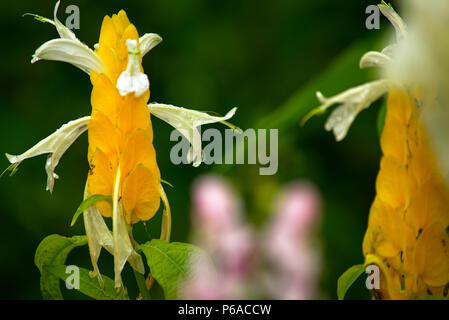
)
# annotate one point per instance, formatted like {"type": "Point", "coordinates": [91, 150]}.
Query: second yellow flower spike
{"type": "Point", "coordinates": [406, 233]}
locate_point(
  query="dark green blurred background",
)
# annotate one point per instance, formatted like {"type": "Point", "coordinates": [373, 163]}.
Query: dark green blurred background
{"type": "Point", "coordinates": [265, 57]}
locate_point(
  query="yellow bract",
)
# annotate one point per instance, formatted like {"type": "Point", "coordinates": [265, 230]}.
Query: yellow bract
{"type": "Point", "coordinates": [120, 131]}
{"type": "Point", "coordinates": [407, 229]}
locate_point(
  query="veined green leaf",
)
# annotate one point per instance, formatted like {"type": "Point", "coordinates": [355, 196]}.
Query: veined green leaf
{"type": "Point", "coordinates": [54, 250]}
{"type": "Point", "coordinates": [169, 263]}
{"type": "Point", "coordinates": [89, 285]}
{"type": "Point", "coordinates": [88, 203]}
{"type": "Point", "coordinates": [347, 279]}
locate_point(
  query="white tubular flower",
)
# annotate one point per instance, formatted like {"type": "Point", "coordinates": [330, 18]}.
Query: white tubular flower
{"type": "Point", "coordinates": [375, 59]}
{"type": "Point", "coordinates": [187, 121]}
{"type": "Point", "coordinates": [132, 79]}
{"type": "Point", "coordinates": [148, 41]}
{"type": "Point", "coordinates": [70, 51]}
{"type": "Point", "coordinates": [399, 25]}
{"type": "Point", "coordinates": [354, 100]}
{"type": "Point", "coordinates": [184, 120]}
{"type": "Point", "coordinates": [99, 236]}
{"type": "Point", "coordinates": [64, 32]}
{"type": "Point", "coordinates": [55, 145]}
{"type": "Point", "coordinates": [68, 48]}
{"type": "Point", "coordinates": [123, 248]}
{"type": "Point", "coordinates": [383, 59]}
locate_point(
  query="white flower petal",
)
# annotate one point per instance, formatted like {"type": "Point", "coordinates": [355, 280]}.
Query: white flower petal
{"type": "Point", "coordinates": [99, 235]}
{"type": "Point", "coordinates": [55, 145]}
{"type": "Point", "coordinates": [390, 50]}
{"type": "Point", "coordinates": [64, 32]}
{"type": "Point", "coordinates": [186, 122]}
{"type": "Point", "coordinates": [356, 99]}
{"type": "Point", "coordinates": [351, 101]}
{"type": "Point", "coordinates": [132, 79]}
{"type": "Point", "coordinates": [123, 248]}
{"type": "Point", "coordinates": [148, 41]}
{"type": "Point", "coordinates": [67, 49]}
{"type": "Point", "coordinates": [374, 59]}
{"type": "Point", "coordinates": [395, 20]}
{"type": "Point", "coordinates": [71, 51]}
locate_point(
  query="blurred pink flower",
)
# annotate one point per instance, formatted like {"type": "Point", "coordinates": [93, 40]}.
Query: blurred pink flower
{"type": "Point", "coordinates": [297, 209]}
{"type": "Point", "coordinates": [215, 204]}
{"type": "Point", "coordinates": [278, 263]}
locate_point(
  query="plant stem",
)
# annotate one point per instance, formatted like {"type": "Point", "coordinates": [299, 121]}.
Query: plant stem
{"type": "Point", "coordinates": [140, 279]}
{"type": "Point", "coordinates": [149, 281]}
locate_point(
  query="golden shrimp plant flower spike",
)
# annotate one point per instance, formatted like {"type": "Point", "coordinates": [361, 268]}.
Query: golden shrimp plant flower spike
{"type": "Point", "coordinates": [407, 235]}
{"type": "Point", "coordinates": [121, 155]}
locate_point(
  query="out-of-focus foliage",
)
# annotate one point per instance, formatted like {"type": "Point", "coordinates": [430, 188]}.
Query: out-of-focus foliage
{"type": "Point", "coordinates": [267, 58]}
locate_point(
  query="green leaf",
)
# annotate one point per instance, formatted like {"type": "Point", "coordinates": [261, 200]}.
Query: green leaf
{"type": "Point", "coordinates": [347, 279]}
{"type": "Point", "coordinates": [54, 250]}
{"type": "Point", "coordinates": [89, 285]}
{"type": "Point", "coordinates": [88, 203]}
{"type": "Point", "coordinates": [169, 263]}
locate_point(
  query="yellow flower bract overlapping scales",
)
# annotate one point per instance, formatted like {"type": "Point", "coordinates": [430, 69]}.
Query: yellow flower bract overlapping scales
{"type": "Point", "coordinates": [120, 131]}
{"type": "Point", "coordinates": [407, 229]}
